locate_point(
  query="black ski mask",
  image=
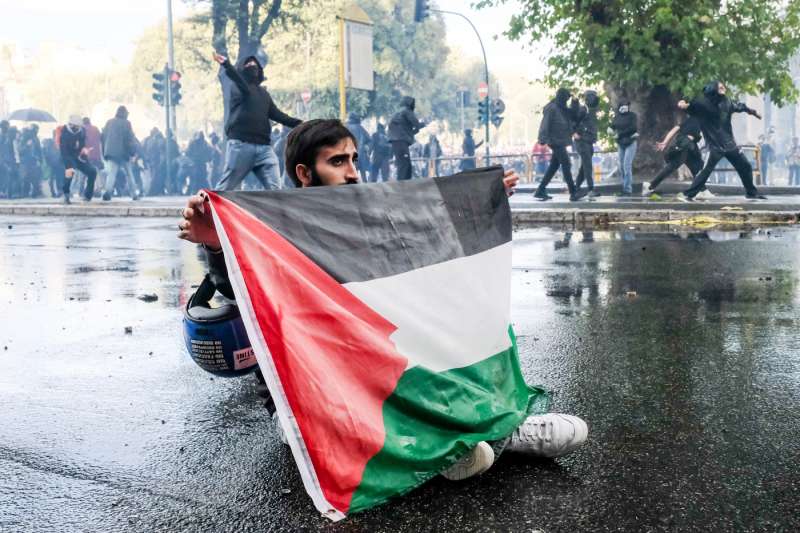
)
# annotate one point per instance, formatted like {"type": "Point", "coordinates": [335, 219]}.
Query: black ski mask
{"type": "Point", "coordinates": [251, 74]}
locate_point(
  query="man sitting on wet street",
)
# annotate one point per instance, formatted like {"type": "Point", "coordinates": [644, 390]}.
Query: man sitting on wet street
{"type": "Point", "coordinates": [325, 153]}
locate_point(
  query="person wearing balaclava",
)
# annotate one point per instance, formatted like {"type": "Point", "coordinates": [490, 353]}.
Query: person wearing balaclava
{"type": "Point", "coordinates": [683, 151]}
{"type": "Point", "coordinates": [74, 155]}
{"type": "Point", "coordinates": [381, 155]}
{"type": "Point", "coordinates": [556, 132]}
{"type": "Point", "coordinates": [625, 128]}
{"type": "Point", "coordinates": [402, 127]}
{"type": "Point", "coordinates": [248, 127]}
{"type": "Point", "coordinates": [585, 137]}
{"type": "Point", "coordinates": [468, 148]}
{"type": "Point", "coordinates": [714, 111]}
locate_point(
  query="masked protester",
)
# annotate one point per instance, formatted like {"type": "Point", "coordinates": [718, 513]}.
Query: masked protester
{"type": "Point", "coordinates": [468, 148]}
{"type": "Point", "coordinates": [402, 127]}
{"type": "Point", "coordinates": [72, 143]}
{"type": "Point", "coordinates": [714, 111]}
{"type": "Point", "coordinates": [248, 126]}
{"type": "Point", "coordinates": [625, 127]}
{"type": "Point", "coordinates": [556, 132]}
{"type": "Point", "coordinates": [381, 154]}
{"type": "Point", "coordinates": [684, 151]}
{"type": "Point", "coordinates": [585, 137]}
{"type": "Point", "coordinates": [322, 153]}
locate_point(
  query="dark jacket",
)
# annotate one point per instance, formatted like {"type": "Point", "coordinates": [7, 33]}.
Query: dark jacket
{"type": "Point", "coordinates": [362, 136]}
{"type": "Point", "coordinates": [714, 111]}
{"type": "Point", "coordinates": [251, 107]}
{"type": "Point", "coordinates": [625, 125]}
{"type": "Point", "coordinates": [404, 124]}
{"type": "Point", "coordinates": [557, 124]}
{"type": "Point", "coordinates": [119, 141]}
{"type": "Point", "coordinates": [586, 118]}
{"type": "Point", "coordinates": [381, 149]}
{"type": "Point", "coordinates": [468, 145]}
{"type": "Point", "coordinates": [71, 144]}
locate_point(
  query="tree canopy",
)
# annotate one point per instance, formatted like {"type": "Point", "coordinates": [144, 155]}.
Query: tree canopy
{"type": "Point", "coordinates": [677, 44]}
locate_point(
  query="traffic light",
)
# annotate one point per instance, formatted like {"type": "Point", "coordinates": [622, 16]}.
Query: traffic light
{"type": "Point", "coordinates": [160, 87]}
{"type": "Point", "coordinates": [483, 111]}
{"type": "Point", "coordinates": [422, 10]}
{"type": "Point", "coordinates": [175, 87]}
{"type": "Point", "coordinates": [498, 107]}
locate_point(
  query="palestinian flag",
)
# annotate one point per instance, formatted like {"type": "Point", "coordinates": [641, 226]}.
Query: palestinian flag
{"type": "Point", "coordinates": [379, 315]}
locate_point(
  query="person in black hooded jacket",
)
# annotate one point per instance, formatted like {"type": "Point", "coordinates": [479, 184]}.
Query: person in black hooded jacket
{"type": "Point", "coordinates": [248, 126]}
{"type": "Point", "coordinates": [556, 129]}
{"type": "Point", "coordinates": [714, 111]}
{"type": "Point", "coordinates": [402, 127]}
{"type": "Point", "coordinates": [625, 126]}
{"type": "Point", "coordinates": [585, 137]}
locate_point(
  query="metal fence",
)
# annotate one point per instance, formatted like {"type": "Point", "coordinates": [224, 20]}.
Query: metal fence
{"type": "Point", "coordinates": [531, 167]}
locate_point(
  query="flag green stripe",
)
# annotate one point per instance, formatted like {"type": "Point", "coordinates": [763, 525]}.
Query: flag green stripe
{"type": "Point", "coordinates": [432, 419]}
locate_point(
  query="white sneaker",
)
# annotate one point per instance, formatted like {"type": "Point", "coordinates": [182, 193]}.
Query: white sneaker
{"type": "Point", "coordinates": [705, 195]}
{"type": "Point", "coordinates": [279, 429]}
{"type": "Point", "coordinates": [476, 462]}
{"type": "Point", "coordinates": [646, 188]}
{"type": "Point", "coordinates": [550, 435]}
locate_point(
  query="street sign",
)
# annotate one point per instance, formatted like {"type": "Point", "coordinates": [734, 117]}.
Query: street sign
{"type": "Point", "coordinates": [306, 96]}
{"type": "Point", "coordinates": [483, 90]}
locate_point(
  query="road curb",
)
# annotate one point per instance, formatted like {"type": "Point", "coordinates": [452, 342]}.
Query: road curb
{"type": "Point", "coordinates": [90, 211]}
{"type": "Point", "coordinates": [521, 217]}
{"type": "Point", "coordinates": [605, 217]}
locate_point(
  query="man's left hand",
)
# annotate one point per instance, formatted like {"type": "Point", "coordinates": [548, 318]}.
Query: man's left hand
{"type": "Point", "coordinates": [510, 180]}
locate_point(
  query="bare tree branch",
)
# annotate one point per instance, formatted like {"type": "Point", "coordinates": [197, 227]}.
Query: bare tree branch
{"type": "Point", "coordinates": [274, 11]}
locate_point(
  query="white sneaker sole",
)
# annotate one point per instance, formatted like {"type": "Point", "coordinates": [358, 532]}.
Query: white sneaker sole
{"type": "Point", "coordinates": [475, 463]}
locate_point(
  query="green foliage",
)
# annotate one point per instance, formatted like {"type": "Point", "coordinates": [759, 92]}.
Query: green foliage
{"type": "Point", "coordinates": [679, 44]}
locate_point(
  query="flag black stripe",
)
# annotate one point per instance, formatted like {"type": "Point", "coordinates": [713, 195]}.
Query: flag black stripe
{"type": "Point", "coordinates": [363, 232]}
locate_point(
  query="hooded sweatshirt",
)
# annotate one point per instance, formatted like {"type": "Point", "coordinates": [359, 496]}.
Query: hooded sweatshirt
{"type": "Point", "coordinates": [625, 125]}
{"type": "Point", "coordinates": [557, 124]}
{"type": "Point", "coordinates": [714, 111]}
{"type": "Point", "coordinates": [404, 124]}
{"type": "Point", "coordinates": [586, 123]}
{"type": "Point", "coordinates": [251, 106]}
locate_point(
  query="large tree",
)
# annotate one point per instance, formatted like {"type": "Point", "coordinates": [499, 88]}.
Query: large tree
{"type": "Point", "coordinates": [654, 52]}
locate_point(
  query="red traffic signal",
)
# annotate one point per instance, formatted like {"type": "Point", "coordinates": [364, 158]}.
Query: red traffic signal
{"type": "Point", "coordinates": [175, 76]}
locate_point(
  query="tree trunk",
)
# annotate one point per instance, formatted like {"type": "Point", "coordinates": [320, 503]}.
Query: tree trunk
{"type": "Point", "coordinates": [657, 111]}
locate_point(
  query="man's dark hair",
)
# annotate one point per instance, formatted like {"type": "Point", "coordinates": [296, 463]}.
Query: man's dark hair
{"type": "Point", "coordinates": [304, 143]}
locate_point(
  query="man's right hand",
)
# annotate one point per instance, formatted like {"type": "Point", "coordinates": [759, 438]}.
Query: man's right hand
{"type": "Point", "coordinates": [219, 58]}
{"type": "Point", "coordinates": [661, 146]}
{"type": "Point", "coordinates": [197, 224]}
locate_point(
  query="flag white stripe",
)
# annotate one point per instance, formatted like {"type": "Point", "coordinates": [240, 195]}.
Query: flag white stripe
{"type": "Point", "coordinates": [448, 315]}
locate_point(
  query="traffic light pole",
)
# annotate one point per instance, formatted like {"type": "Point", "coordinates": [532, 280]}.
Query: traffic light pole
{"type": "Point", "coordinates": [167, 106]}
{"type": "Point", "coordinates": [485, 72]}
{"type": "Point", "coordinates": [170, 59]}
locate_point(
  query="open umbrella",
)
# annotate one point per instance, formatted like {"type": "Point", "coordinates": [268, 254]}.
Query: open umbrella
{"type": "Point", "coordinates": [31, 115]}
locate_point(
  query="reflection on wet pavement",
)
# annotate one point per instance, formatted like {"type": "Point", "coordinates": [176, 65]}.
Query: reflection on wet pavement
{"type": "Point", "coordinates": [680, 350]}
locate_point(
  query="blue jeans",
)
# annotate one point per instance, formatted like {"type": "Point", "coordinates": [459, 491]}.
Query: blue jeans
{"type": "Point", "coordinates": [112, 168]}
{"type": "Point", "coordinates": [626, 155]}
{"type": "Point", "coordinates": [242, 157]}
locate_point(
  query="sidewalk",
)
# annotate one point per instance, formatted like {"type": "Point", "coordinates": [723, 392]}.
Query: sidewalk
{"type": "Point", "coordinates": [607, 209]}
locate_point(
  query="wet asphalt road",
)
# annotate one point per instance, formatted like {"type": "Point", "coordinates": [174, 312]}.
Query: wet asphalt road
{"type": "Point", "coordinates": [681, 351]}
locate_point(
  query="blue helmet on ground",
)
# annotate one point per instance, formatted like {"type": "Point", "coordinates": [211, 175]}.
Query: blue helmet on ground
{"type": "Point", "coordinates": [215, 336]}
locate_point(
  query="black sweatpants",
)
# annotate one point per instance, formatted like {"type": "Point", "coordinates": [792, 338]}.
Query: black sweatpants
{"type": "Point", "coordinates": [559, 158]}
{"type": "Point", "coordinates": [678, 155]}
{"type": "Point", "coordinates": [91, 175]}
{"type": "Point", "coordinates": [739, 162]}
{"type": "Point", "coordinates": [402, 160]}
{"type": "Point", "coordinates": [586, 172]}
